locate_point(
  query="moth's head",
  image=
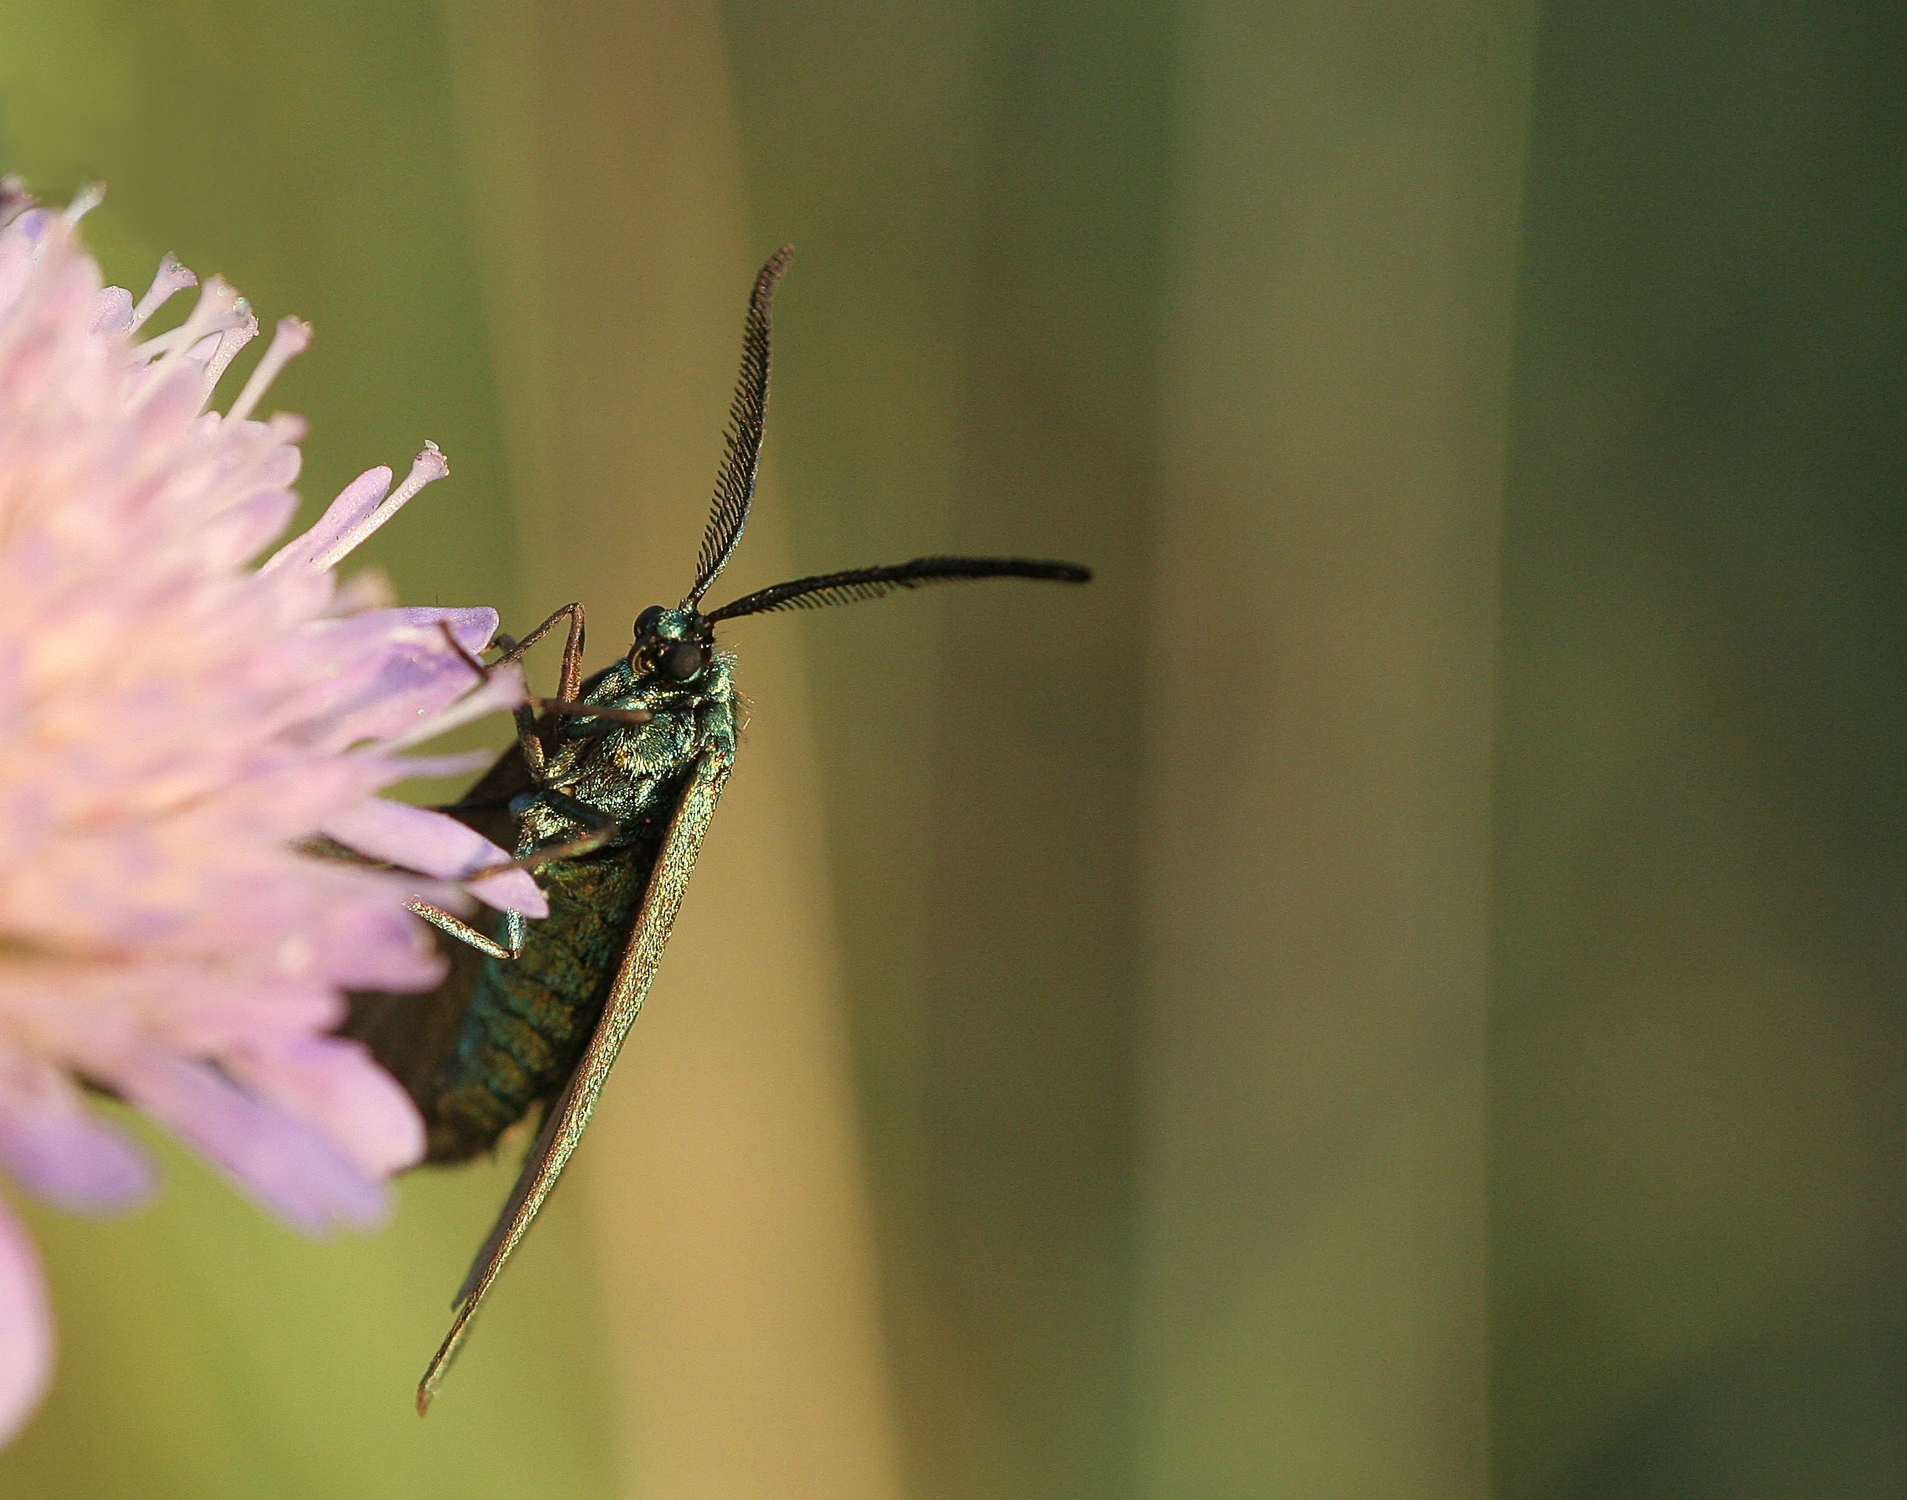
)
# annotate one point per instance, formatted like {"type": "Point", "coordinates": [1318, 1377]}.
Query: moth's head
{"type": "Point", "coordinates": [677, 646]}
{"type": "Point", "coordinates": [674, 644]}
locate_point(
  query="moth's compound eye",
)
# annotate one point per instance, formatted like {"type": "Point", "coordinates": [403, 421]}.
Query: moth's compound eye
{"type": "Point", "coordinates": [684, 661]}
{"type": "Point", "coordinates": [646, 621]}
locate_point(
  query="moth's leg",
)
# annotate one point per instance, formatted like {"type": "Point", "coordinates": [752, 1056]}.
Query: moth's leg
{"type": "Point", "coordinates": [525, 715]}
{"type": "Point", "coordinates": [572, 657]}
{"type": "Point", "coordinates": [515, 927]}
{"type": "Point", "coordinates": [528, 742]}
{"type": "Point", "coordinates": [470, 661]}
{"type": "Point", "coordinates": [444, 921]}
{"type": "Point", "coordinates": [572, 647]}
{"type": "Point", "coordinates": [514, 651]}
{"type": "Point", "coordinates": [598, 829]}
{"type": "Point", "coordinates": [609, 716]}
{"type": "Point", "coordinates": [516, 932]}
{"type": "Point", "coordinates": [528, 857]}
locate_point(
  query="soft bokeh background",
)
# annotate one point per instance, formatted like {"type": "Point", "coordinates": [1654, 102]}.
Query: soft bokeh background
{"type": "Point", "coordinates": [1396, 991]}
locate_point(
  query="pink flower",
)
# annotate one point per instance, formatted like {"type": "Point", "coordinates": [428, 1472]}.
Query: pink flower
{"type": "Point", "coordinates": [175, 723]}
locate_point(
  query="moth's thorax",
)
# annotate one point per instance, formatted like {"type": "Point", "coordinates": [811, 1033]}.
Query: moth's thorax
{"type": "Point", "coordinates": [630, 771]}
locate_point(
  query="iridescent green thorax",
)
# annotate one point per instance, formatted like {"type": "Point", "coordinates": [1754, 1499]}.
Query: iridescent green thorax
{"type": "Point", "coordinates": [530, 1017]}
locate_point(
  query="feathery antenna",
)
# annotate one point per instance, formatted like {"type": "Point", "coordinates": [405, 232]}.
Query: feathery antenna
{"type": "Point", "coordinates": [825, 589]}
{"type": "Point", "coordinates": [747, 415]}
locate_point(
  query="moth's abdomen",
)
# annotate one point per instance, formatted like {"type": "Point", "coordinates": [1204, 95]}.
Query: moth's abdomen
{"type": "Point", "coordinates": [530, 1018]}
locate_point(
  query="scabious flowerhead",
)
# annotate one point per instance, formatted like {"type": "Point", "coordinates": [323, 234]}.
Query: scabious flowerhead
{"type": "Point", "coordinates": [178, 724]}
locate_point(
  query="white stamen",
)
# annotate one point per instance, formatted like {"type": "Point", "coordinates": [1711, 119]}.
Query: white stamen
{"type": "Point", "coordinates": [291, 338]}
{"type": "Point", "coordinates": [226, 350]}
{"type": "Point", "coordinates": [162, 343]}
{"type": "Point", "coordinates": [86, 197]}
{"type": "Point", "coordinates": [214, 312]}
{"type": "Point", "coordinates": [172, 277]}
{"type": "Point", "coordinates": [428, 467]}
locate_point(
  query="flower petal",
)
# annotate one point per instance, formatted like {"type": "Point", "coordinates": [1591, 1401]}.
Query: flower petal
{"type": "Point", "coordinates": [409, 671]}
{"type": "Point", "coordinates": [429, 842]}
{"type": "Point", "coordinates": [502, 689]}
{"type": "Point", "coordinates": [26, 1328]}
{"type": "Point", "coordinates": [60, 1150]}
{"type": "Point", "coordinates": [355, 501]}
{"type": "Point", "coordinates": [287, 1165]}
{"type": "Point", "coordinates": [115, 311]}
{"type": "Point", "coordinates": [334, 1084]}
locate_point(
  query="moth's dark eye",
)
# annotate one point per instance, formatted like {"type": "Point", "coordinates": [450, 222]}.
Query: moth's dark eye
{"type": "Point", "coordinates": [684, 661]}
{"type": "Point", "coordinates": [646, 621]}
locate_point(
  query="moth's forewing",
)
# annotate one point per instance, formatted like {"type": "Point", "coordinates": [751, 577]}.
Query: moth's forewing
{"type": "Point", "coordinates": [567, 1120]}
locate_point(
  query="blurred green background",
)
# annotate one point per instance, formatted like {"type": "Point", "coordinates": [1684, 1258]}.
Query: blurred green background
{"type": "Point", "coordinates": [1395, 991]}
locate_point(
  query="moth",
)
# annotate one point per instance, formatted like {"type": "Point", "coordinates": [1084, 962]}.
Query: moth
{"type": "Point", "coordinates": [606, 796]}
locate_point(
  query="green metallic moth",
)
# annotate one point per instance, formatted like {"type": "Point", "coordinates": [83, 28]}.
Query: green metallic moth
{"type": "Point", "coordinates": [606, 796]}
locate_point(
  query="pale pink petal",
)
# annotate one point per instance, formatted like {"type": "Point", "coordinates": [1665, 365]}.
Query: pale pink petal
{"type": "Point", "coordinates": [115, 311]}
{"type": "Point", "coordinates": [375, 944]}
{"type": "Point", "coordinates": [472, 627]}
{"type": "Point", "coordinates": [242, 531]}
{"type": "Point", "coordinates": [57, 1148]}
{"type": "Point", "coordinates": [403, 767]}
{"type": "Point", "coordinates": [179, 724]}
{"type": "Point", "coordinates": [418, 673]}
{"type": "Point", "coordinates": [419, 839]}
{"type": "Point", "coordinates": [287, 1165]}
{"type": "Point", "coordinates": [26, 1328]}
{"type": "Point", "coordinates": [502, 689]}
{"type": "Point", "coordinates": [511, 890]}
{"type": "Point", "coordinates": [355, 501]}
{"type": "Point", "coordinates": [334, 1085]}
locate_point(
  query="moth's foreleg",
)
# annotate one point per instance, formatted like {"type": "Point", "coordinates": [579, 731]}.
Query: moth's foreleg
{"type": "Point", "coordinates": [572, 647]}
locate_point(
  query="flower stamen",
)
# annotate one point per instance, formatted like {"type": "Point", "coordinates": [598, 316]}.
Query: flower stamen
{"type": "Point", "coordinates": [171, 277]}
{"type": "Point", "coordinates": [428, 467]}
{"type": "Point", "coordinates": [86, 197]}
{"type": "Point", "coordinates": [214, 312]}
{"type": "Point", "coordinates": [290, 339]}
{"type": "Point", "coordinates": [226, 350]}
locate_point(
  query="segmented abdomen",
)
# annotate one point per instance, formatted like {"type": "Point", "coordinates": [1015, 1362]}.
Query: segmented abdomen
{"type": "Point", "coordinates": [531, 1017]}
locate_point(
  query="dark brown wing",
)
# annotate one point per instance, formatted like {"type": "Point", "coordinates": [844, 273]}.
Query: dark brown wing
{"type": "Point", "coordinates": [486, 806]}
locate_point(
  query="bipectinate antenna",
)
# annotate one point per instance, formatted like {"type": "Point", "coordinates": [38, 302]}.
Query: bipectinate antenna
{"type": "Point", "coordinates": [747, 414]}
{"type": "Point", "coordinates": [824, 589]}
